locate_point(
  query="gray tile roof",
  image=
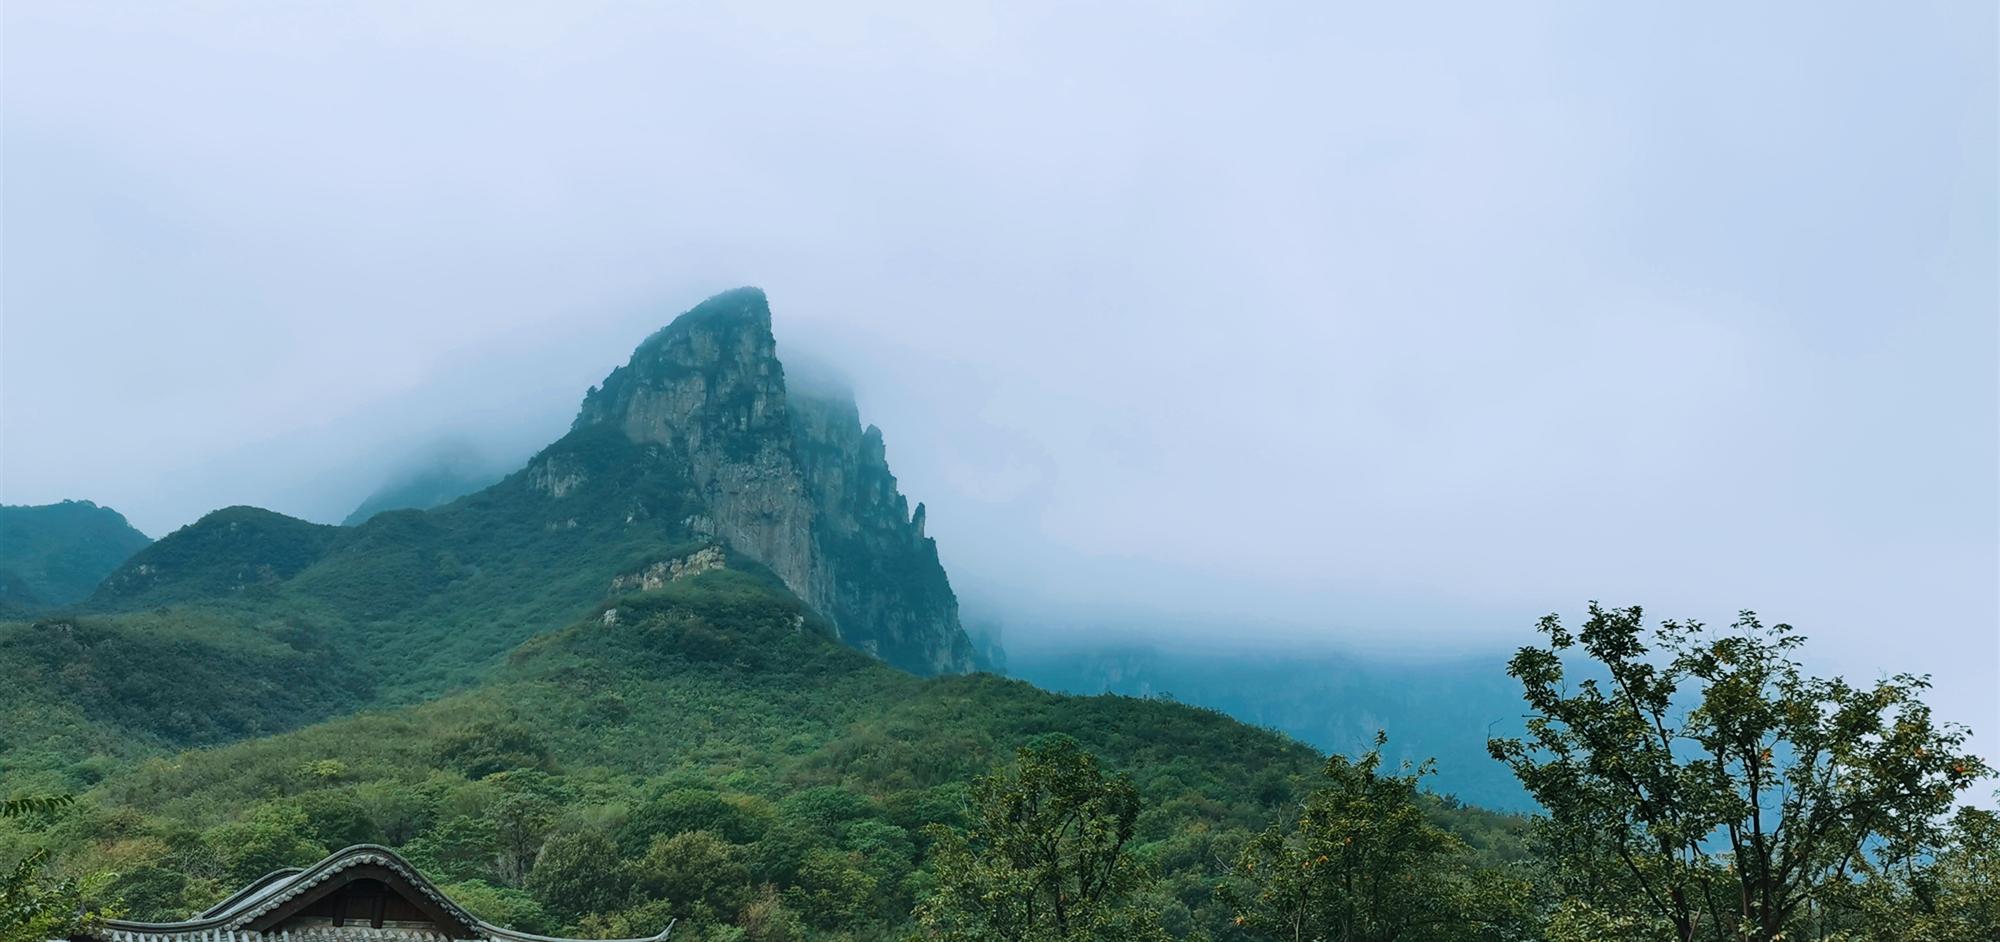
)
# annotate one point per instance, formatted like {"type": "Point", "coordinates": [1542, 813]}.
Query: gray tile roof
{"type": "Point", "coordinates": [238, 917]}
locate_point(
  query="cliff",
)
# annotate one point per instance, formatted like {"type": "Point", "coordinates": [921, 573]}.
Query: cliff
{"type": "Point", "coordinates": [788, 478]}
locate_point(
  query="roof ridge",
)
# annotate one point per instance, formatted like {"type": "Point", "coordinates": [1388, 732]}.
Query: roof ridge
{"type": "Point", "coordinates": [228, 920]}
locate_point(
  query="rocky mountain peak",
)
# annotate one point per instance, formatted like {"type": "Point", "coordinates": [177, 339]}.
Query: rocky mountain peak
{"type": "Point", "coordinates": [789, 477]}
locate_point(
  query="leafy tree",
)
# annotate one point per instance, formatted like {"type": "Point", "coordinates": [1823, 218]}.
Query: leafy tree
{"type": "Point", "coordinates": [1361, 863]}
{"type": "Point", "coordinates": [1046, 859]}
{"type": "Point", "coordinates": [1951, 893]}
{"type": "Point", "coordinates": [833, 891]}
{"type": "Point", "coordinates": [458, 848]}
{"type": "Point", "coordinates": [1962, 891]}
{"type": "Point", "coordinates": [689, 809]}
{"type": "Point", "coordinates": [826, 808]}
{"type": "Point", "coordinates": [35, 906]}
{"type": "Point", "coordinates": [275, 835]}
{"type": "Point", "coordinates": [580, 872]}
{"type": "Point", "coordinates": [697, 872]}
{"type": "Point", "coordinates": [336, 818]}
{"type": "Point", "coordinates": [500, 905]}
{"type": "Point", "coordinates": [1704, 781]}
{"type": "Point", "coordinates": [767, 920]}
{"type": "Point", "coordinates": [488, 747]}
{"type": "Point", "coordinates": [520, 821]}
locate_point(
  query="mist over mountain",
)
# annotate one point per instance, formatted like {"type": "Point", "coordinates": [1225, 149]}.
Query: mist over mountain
{"type": "Point", "coordinates": [706, 614]}
{"type": "Point", "coordinates": [692, 454]}
{"type": "Point", "coordinates": [1158, 429]}
{"type": "Point", "coordinates": [446, 475]}
{"type": "Point", "coordinates": [1444, 706]}
{"type": "Point", "coordinates": [1337, 701]}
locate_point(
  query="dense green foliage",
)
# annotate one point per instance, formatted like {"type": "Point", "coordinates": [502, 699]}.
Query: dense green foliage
{"type": "Point", "coordinates": [1950, 892]}
{"type": "Point", "coordinates": [708, 721]}
{"type": "Point", "coordinates": [56, 554]}
{"type": "Point", "coordinates": [35, 906]}
{"type": "Point", "coordinates": [705, 753]}
{"type": "Point", "coordinates": [1701, 786]}
{"type": "Point", "coordinates": [1363, 863]}
{"type": "Point", "coordinates": [1045, 858]}
{"type": "Point", "coordinates": [87, 688]}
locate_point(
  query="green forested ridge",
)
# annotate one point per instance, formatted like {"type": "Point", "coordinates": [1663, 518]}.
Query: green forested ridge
{"type": "Point", "coordinates": [56, 554]}
{"type": "Point", "coordinates": [229, 552]}
{"type": "Point", "coordinates": [249, 622]}
{"type": "Point", "coordinates": [703, 752]}
{"type": "Point", "coordinates": [420, 601]}
{"type": "Point", "coordinates": [86, 691]}
{"type": "Point", "coordinates": [713, 712]}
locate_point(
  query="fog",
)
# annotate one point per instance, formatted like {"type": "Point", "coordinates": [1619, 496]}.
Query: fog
{"type": "Point", "coordinates": [1224, 323]}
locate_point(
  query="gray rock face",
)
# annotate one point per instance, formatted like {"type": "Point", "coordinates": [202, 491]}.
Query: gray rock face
{"type": "Point", "coordinates": [790, 479]}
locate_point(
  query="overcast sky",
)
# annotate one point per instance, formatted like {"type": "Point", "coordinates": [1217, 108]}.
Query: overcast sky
{"type": "Point", "coordinates": [1327, 320]}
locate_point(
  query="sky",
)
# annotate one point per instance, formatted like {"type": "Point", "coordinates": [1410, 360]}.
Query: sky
{"type": "Point", "coordinates": [1365, 324]}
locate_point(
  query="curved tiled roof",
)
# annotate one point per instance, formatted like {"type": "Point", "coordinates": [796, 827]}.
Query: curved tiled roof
{"type": "Point", "coordinates": [254, 885]}
{"type": "Point", "coordinates": [231, 920]}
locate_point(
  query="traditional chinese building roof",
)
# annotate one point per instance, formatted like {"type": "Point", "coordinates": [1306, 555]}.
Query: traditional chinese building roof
{"type": "Point", "coordinates": [365, 893]}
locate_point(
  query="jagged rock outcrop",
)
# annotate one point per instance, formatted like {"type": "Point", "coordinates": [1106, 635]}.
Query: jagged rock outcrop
{"type": "Point", "coordinates": [706, 559]}
{"type": "Point", "coordinates": [789, 478]}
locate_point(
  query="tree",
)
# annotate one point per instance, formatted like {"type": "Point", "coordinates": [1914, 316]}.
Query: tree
{"type": "Point", "coordinates": [1952, 892]}
{"type": "Point", "coordinates": [833, 890]}
{"type": "Point", "coordinates": [580, 872]}
{"type": "Point", "coordinates": [274, 835]}
{"type": "Point", "coordinates": [1704, 781]}
{"type": "Point", "coordinates": [1963, 879]}
{"type": "Point", "coordinates": [697, 873]}
{"type": "Point", "coordinates": [489, 746]}
{"type": "Point", "coordinates": [35, 906]}
{"type": "Point", "coordinates": [688, 809]}
{"type": "Point", "coordinates": [1361, 863]}
{"type": "Point", "coordinates": [767, 920]}
{"type": "Point", "coordinates": [520, 822]}
{"type": "Point", "coordinates": [1046, 858]}
{"type": "Point", "coordinates": [501, 905]}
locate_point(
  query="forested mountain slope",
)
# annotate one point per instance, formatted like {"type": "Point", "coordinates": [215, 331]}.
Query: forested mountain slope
{"type": "Point", "coordinates": [56, 554]}
{"type": "Point", "coordinates": [712, 719]}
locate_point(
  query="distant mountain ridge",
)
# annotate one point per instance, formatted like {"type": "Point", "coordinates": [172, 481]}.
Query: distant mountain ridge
{"type": "Point", "coordinates": [56, 554]}
{"type": "Point", "coordinates": [1335, 702]}
{"type": "Point", "coordinates": [431, 487]}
